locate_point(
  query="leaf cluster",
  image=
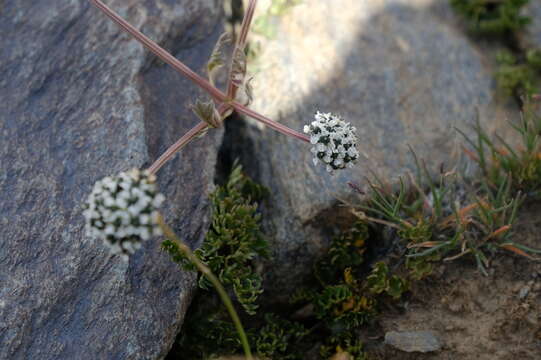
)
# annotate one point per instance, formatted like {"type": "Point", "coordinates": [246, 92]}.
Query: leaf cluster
{"type": "Point", "coordinates": [380, 282]}
{"type": "Point", "coordinates": [492, 17]}
{"type": "Point", "coordinates": [346, 251]}
{"type": "Point", "coordinates": [339, 301]}
{"type": "Point", "coordinates": [233, 241]}
{"type": "Point", "coordinates": [344, 347]}
{"type": "Point", "coordinates": [274, 339]}
{"type": "Point", "coordinates": [519, 76]}
{"type": "Point", "coordinates": [209, 333]}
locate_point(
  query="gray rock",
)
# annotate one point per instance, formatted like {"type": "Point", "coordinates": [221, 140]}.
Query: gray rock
{"type": "Point", "coordinates": [391, 68]}
{"type": "Point", "coordinates": [413, 341]}
{"type": "Point", "coordinates": [81, 100]}
{"type": "Point", "coordinates": [531, 36]}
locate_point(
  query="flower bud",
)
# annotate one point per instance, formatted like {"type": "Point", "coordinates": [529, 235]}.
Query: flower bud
{"type": "Point", "coordinates": [122, 211]}
{"type": "Point", "coordinates": [334, 141]}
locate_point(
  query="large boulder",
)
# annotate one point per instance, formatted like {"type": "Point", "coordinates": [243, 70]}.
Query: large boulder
{"type": "Point", "coordinates": [396, 71]}
{"type": "Point", "coordinates": [531, 36]}
{"type": "Point", "coordinates": [81, 100]}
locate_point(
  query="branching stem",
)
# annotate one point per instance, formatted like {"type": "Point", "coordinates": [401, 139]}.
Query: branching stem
{"type": "Point", "coordinates": [226, 101]}
{"type": "Point", "coordinates": [160, 52]}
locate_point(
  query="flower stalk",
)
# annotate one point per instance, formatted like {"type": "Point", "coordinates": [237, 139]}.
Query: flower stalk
{"type": "Point", "coordinates": [226, 101]}
{"type": "Point", "coordinates": [170, 234]}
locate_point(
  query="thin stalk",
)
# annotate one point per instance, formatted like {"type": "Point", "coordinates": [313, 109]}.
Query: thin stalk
{"type": "Point", "coordinates": [160, 52]}
{"type": "Point", "coordinates": [170, 234]}
{"type": "Point", "coordinates": [246, 22]}
{"type": "Point", "coordinates": [232, 87]}
{"type": "Point", "coordinates": [183, 141]}
{"type": "Point", "coordinates": [218, 96]}
{"type": "Point", "coordinates": [270, 123]}
{"type": "Point", "coordinates": [177, 146]}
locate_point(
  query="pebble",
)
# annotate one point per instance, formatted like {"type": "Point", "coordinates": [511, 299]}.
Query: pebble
{"type": "Point", "coordinates": [413, 341]}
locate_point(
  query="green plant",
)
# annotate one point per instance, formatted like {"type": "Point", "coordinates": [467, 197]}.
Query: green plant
{"type": "Point", "coordinates": [518, 78]}
{"type": "Point", "coordinates": [437, 221]}
{"type": "Point", "coordinates": [492, 16]}
{"type": "Point", "coordinates": [274, 339]}
{"type": "Point", "coordinates": [208, 333]}
{"type": "Point", "coordinates": [345, 347]}
{"type": "Point", "coordinates": [501, 162]}
{"type": "Point", "coordinates": [234, 239]}
{"type": "Point", "coordinates": [346, 251]}
{"type": "Point", "coordinates": [379, 282]}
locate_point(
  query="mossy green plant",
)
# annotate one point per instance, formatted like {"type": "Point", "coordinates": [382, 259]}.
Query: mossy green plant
{"type": "Point", "coordinates": [346, 347]}
{"type": "Point", "coordinates": [380, 282]}
{"type": "Point", "coordinates": [518, 78]}
{"type": "Point", "coordinates": [233, 241]}
{"type": "Point", "coordinates": [232, 244]}
{"type": "Point", "coordinates": [492, 17]}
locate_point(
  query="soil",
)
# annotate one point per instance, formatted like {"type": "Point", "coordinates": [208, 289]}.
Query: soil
{"type": "Point", "coordinates": [475, 316]}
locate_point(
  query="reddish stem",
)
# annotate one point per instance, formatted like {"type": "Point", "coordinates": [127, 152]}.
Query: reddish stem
{"type": "Point", "coordinates": [240, 45]}
{"type": "Point", "coordinates": [160, 52]}
{"type": "Point", "coordinates": [173, 149]}
{"type": "Point", "coordinates": [218, 96]}
{"type": "Point", "coordinates": [270, 123]}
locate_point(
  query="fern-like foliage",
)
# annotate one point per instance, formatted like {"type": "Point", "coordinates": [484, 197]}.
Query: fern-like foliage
{"type": "Point", "coordinates": [346, 251]}
{"type": "Point", "coordinates": [492, 16]}
{"type": "Point", "coordinates": [518, 77]}
{"type": "Point", "coordinates": [233, 241]}
{"type": "Point", "coordinates": [379, 281]}
{"type": "Point", "coordinates": [345, 346]}
{"type": "Point", "coordinates": [274, 339]}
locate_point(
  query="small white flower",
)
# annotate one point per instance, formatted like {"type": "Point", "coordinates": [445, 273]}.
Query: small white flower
{"type": "Point", "coordinates": [334, 141]}
{"type": "Point", "coordinates": [121, 210]}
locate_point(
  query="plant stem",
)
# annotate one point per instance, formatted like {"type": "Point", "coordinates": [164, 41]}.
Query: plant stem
{"type": "Point", "coordinates": [160, 52]}
{"type": "Point", "coordinates": [240, 45]}
{"type": "Point", "coordinates": [219, 96]}
{"type": "Point", "coordinates": [270, 123]}
{"type": "Point", "coordinates": [177, 146]}
{"type": "Point", "coordinates": [170, 234]}
{"type": "Point", "coordinates": [183, 141]}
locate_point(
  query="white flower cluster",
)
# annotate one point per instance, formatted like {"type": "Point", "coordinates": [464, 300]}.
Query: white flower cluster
{"type": "Point", "coordinates": [334, 141]}
{"type": "Point", "coordinates": [122, 211]}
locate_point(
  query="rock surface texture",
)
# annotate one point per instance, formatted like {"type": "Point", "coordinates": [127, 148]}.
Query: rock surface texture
{"type": "Point", "coordinates": [393, 69]}
{"type": "Point", "coordinates": [81, 100]}
{"type": "Point", "coordinates": [532, 34]}
{"type": "Point", "coordinates": [413, 341]}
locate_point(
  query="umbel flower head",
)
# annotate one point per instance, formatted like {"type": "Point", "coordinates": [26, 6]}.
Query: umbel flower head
{"type": "Point", "coordinates": [122, 210]}
{"type": "Point", "coordinates": [334, 141]}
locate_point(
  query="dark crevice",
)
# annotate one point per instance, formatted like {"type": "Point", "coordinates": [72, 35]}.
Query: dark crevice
{"type": "Point", "coordinates": [236, 144]}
